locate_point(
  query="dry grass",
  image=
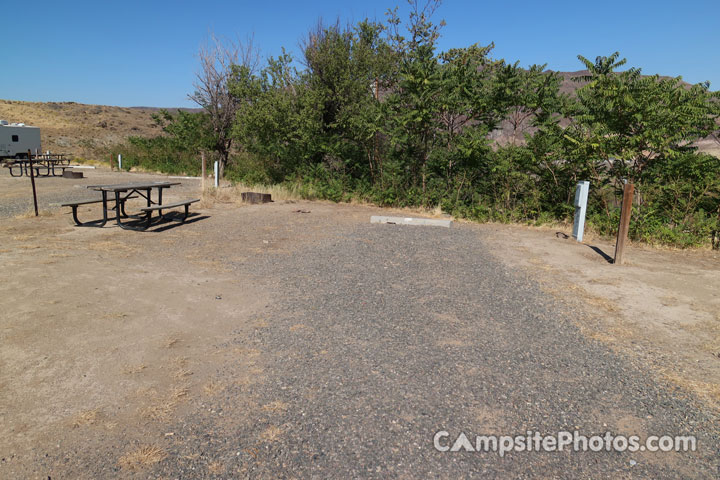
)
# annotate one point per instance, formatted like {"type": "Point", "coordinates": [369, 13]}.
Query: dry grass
{"type": "Point", "coordinates": [216, 468]}
{"type": "Point", "coordinates": [131, 369]}
{"type": "Point", "coordinates": [87, 417]}
{"type": "Point", "coordinates": [271, 434]}
{"type": "Point", "coordinates": [233, 194]}
{"type": "Point", "coordinates": [178, 392]}
{"type": "Point", "coordinates": [143, 457]}
{"type": "Point", "coordinates": [31, 214]}
{"type": "Point", "coordinates": [182, 373]}
{"type": "Point", "coordinates": [163, 407]}
{"type": "Point", "coordinates": [180, 362]}
{"type": "Point", "coordinates": [213, 387]}
{"type": "Point", "coordinates": [276, 407]}
{"type": "Point", "coordinates": [160, 411]}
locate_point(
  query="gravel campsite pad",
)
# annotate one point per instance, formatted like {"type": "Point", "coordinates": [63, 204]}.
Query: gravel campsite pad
{"type": "Point", "coordinates": [297, 340]}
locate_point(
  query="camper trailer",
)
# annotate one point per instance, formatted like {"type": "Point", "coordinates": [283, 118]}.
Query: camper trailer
{"type": "Point", "coordinates": [17, 138]}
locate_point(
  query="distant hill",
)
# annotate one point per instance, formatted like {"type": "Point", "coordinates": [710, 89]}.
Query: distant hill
{"type": "Point", "coordinates": [78, 129]}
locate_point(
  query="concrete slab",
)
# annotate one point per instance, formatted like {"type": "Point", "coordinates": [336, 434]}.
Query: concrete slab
{"type": "Point", "coordinates": [411, 221]}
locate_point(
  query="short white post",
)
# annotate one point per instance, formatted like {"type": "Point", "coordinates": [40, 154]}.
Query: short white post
{"type": "Point", "coordinates": [119, 161]}
{"type": "Point", "coordinates": [202, 171]}
{"type": "Point", "coordinates": [217, 171]}
{"type": "Point", "coordinates": [581, 196]}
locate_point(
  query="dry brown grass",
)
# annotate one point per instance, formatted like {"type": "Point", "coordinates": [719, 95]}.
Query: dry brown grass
{"type": "Point", "coordinates": [87, 417]}
{"type": "Point", "coordinates": [182, 373]}
{"type": "Point", "coordinates": [180, 362]}
{"type": "Point", "coordinates": [213, 387]}
{"type": "Point", "coordinates": [276, 407]}
{"type": "Point", "coordinates": [178, 392]}
{"type": "Point", "coordinates": [160, 411]}
{"type": "Point", "coordinates": [216, 468]}
{"type": "Point", "coordinates": [162, 407]}
{"type": "Point", "coordinates": [31, 214]}
{"type": "Point", "coordinates": [131, 369]}
{"type": "Point", "coordinates": [143, 457]}
{"type": "Point", "coordinates": [232, 194]}
{"type": "Point", "coordinates": [271, 434]}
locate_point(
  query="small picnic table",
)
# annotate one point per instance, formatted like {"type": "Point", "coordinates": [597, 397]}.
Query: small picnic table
{"type": "Point", "coordinates": [121, 193]}
{"type": "Point", "coordinates": [48, 162]}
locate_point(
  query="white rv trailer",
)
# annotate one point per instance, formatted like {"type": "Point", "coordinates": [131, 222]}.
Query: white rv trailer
{"type": "Point", "coordinates": [17, 138]}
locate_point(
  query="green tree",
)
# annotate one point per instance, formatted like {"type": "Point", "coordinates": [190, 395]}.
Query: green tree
{"type": "Point", "coordinates": [415, 104]}
{"type": "Point", "coordinates": [632, 122]}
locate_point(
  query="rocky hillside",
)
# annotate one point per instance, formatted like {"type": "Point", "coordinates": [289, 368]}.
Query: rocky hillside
{"type": "Point", "coordinates": [78, 129]}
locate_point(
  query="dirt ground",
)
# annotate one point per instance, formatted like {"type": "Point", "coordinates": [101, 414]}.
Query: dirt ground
{"type": "Point", "coordinates": [106, 332]}
{"type": "Point", "coordinates": [662, 305]}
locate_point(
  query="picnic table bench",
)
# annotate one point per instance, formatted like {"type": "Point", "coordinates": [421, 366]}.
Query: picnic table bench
{"type": "Point", "coordinates": [121, 194]}
{"type": "Point", "coordinates": [50, 163]}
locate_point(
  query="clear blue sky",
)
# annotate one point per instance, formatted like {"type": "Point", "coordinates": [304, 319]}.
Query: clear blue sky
{"type": "Point", "coordinates": [132, 53]}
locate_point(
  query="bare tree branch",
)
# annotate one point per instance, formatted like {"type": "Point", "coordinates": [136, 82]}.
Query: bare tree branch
{"type": "Point", "coordinates": [217, 58]}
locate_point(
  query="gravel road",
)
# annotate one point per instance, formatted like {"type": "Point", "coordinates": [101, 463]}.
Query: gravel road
{"type": "Point", "coordinates": [365, 342]}
{"type": "Point", "coordinates": [383, 336]}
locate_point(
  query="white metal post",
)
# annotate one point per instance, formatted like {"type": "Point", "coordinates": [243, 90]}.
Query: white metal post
{"type": "Point", "coordinates": [217, 178]}
{"type": "Point", "coordinates": [581, 196]}
{"type": "Point", "coordinates": [119, 161]}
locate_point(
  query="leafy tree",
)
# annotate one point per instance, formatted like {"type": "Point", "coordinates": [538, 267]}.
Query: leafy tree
{"type": "Point", "coordinates": [346, 68]}
{"type": "Point", "coordinates": [275, 118]}
{"type": "Point", "coordinates": [414, 106]}
{"type": "Point", "coordinates": [189, 132]}
{"type": "Point", "coordinates": [631, 121]}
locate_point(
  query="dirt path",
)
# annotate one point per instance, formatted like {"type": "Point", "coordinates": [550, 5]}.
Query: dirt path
{"type": "Point", "coordinates": [262, 342]}
{"type": "Point", "coordinates": [663, 305]}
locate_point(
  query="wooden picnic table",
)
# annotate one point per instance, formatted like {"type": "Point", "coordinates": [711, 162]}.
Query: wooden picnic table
{"type": "Point", "coordinates": [121, 193]}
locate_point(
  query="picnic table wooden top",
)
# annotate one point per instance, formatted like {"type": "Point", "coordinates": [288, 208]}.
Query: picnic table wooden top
{"type": "Point", "coordinates": [123, 187]}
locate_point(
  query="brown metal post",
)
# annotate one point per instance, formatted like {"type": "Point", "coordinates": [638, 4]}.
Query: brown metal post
{"type": "Point", "coordinates": [202, 184]}
{"type": "Point", "coordinates": [32, 181]}
{"type": "Point", "coordinates": [625, 214]}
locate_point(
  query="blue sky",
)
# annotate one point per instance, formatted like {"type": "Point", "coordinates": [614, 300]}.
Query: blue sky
{"type": "Point", "coordinates": [135, 53]}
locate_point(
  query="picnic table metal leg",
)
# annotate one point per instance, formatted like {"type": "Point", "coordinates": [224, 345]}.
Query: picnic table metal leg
{"type": "Point", "coordinates": [94, 223]}
{"type": "Point", "coordinates": [160, 200]}
{"type": "Point", "coordinates": [122, 208]}
{"type": "Point", "coordinates": [119, 206]}
{"type": "Point", "coordinates": [20, 170]}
